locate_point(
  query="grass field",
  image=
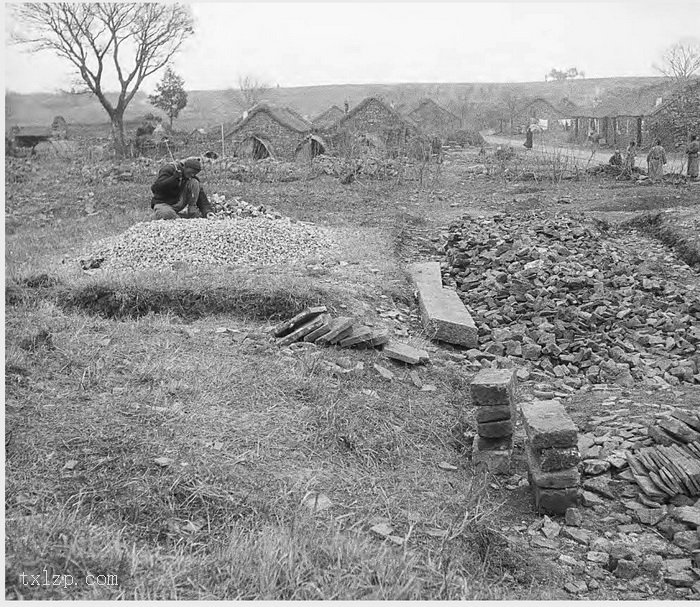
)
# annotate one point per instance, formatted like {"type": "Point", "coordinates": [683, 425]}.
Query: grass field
{"type": "Point", "coordinates": [155, 433]}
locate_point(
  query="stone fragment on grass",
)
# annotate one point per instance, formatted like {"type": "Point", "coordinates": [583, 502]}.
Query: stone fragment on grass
{"type": "Point", "coordinates": [300, 332]}
{"type": "Point", "coordinates": [384, 372]}
{"type": "Point", "coordinates": [338, 325]}
{"type": "Point", "coordinates": [405, 353]}
{"type": "Point", "coordinates": [357, 336]}
{"type": "Point", "coordinates": [322, 330]}
{"type": "Point", "coordinates": [289, 325]}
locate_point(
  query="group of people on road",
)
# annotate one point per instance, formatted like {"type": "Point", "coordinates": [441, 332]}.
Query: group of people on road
{"type": "Point", "coordinates": [656, 159]}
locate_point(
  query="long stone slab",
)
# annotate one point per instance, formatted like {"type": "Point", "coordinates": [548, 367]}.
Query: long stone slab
{"type": "Point", "coordinates": [443, 314]}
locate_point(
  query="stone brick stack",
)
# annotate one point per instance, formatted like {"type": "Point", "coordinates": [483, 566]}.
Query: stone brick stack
{"type": "Point", "coordinates": [493, 393]}
{"type": "Point", "coordinates": [552, 455]}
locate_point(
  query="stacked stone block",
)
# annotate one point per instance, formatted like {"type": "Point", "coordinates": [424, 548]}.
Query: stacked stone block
{"type": "Point", "coordinates": [493, 393]}
{"type": "Point", "coordinates": [552, 455]}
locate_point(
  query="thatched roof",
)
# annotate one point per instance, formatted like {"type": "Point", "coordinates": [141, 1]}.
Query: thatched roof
{"type": "Point", "coordinates": [692, 89]}
{"type": "Point", "coordinates": [365, 102]}
{"type": "Point", "coordinates": [329, 117]}
{"type": "Point", "coordinates": [526, 104]}
{"type": "Point", "coordinates": [433, 106]}
{"type": "Point", "coordinates": [285, 116]}
{"type": "Point", "coordinates": [628, 102]}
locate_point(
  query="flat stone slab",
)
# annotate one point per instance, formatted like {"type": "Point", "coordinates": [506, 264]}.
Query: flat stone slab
{"type": "Point", "coordinates": [338, 327]}
{"type": "Point", "coordinates": [427, 274]}
{"type": "Point", "coordinates": [547, 424]}
{"type": "Point", "coordinates": [405, 353]}
{"type": "Point", "coordinates": [322, 330]}
{"type": "Point", "coordinates": [443, 313]}
{"type": "Point", "coordinates": [492, 387]}
{"type": "Point", "coordinates": [358, 335]}
{"type": "Point", "coordinates": [289, 325]}
{"type": "Point", "coordinates": [301, 332]}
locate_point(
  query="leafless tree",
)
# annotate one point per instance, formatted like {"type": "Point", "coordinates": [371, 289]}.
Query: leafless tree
{"type": "Point", "coordinates": [252, 89]}
{"type": "Point", "coordinates": [128, 41]}
{"type": "Point", "coordinates": [681, 61]}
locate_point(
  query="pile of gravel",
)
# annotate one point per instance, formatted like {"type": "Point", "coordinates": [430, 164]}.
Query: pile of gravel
{"type": "Point", "coordinates": [249, 241]}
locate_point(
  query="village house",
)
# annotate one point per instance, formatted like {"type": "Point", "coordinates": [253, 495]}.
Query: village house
{"type": "Point", "coordinates": [674, 120]}
{"type": "Point", "coordinates": [434, 120]}
{"type": "Point", "coordinates": [327, 119]}
{"type": "Point", "coordinates": [543, 114]}
{"type": "Point", "coordinates": [374, 125]}
{"type": "Point", "coordinates": [620, 117]}
{"type": "Point", "coordinates": [268, 131]}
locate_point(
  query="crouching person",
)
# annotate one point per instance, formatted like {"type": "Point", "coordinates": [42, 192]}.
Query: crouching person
{"type": "Point", "coordinates": [177, 192]}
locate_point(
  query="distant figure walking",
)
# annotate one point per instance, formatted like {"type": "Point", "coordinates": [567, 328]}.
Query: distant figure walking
{"type": "Point", "coordinates": [656, 159]}
{"type": "Point", "coordinates": [528, 138]}
{"type": "Point", "coordinates": [693, 152]}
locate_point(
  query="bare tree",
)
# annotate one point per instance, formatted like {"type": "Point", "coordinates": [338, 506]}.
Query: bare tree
{"type": "Point", "coordinates": [252, 90]}
{"type": "Point", "coordinates": [128, 41]}
{"type": "Point", "coordinates": [681, 61]}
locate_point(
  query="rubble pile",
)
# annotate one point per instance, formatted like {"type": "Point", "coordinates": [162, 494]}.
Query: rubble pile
{"type": "Point", "coordinates": [238, 208]}
{"type": "Point", "coordinates": [623, 529]}
{"type": "Point", "coordinates": [195, 242]}
{"type": "Point", "coordinates": [581, 306]}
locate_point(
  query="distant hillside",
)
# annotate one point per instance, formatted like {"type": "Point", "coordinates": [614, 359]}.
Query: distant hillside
{"type": "Point", "coordinates": [209, 108]}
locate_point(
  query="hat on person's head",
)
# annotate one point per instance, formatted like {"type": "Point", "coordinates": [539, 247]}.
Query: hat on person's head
{"type": "Point", "coordinates": [193, 163]}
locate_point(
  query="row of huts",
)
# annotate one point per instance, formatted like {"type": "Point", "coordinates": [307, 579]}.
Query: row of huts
{"type": "Point", "coordinates": [640, 115]}
{"type": "Point", "coordinates": [279, 132]}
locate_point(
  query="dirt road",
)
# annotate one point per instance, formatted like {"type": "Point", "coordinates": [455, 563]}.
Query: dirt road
{"type": "Point", "coordinates": [676, 162]}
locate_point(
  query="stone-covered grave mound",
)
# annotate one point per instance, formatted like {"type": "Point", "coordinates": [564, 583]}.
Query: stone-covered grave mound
{"type": "Point", "coordinates": [559, 292]}
{"type": "Point", "coordinates": [240, 235]}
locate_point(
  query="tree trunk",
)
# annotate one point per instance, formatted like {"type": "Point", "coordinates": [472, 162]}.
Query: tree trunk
{"type": "Point", "coordinates": [118, 133]}
{"type": "Point", "coordinates": [171, 123]}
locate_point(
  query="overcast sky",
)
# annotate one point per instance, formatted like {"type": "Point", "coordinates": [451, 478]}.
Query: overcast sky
{"type": "Point", "coordinates": [295, 44]}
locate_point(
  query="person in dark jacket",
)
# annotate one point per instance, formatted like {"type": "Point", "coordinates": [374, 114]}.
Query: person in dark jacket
{"type": "Point", "coordinates": [177, 193]}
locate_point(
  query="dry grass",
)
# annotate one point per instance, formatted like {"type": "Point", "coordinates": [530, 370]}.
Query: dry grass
{"type": "Point", "coordinates": [248, 430]}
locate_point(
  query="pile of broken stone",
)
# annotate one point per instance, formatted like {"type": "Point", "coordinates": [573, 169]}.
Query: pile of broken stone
{"type": "Point", "coordinates": [315, 325]}
{"type": "Point", "coordinates": [556, 291]}
{"type": "Point", "coordinates": [627, 529]}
